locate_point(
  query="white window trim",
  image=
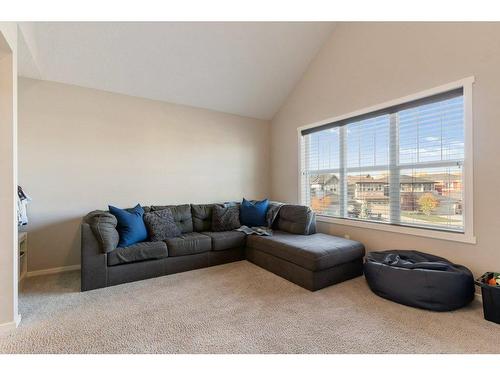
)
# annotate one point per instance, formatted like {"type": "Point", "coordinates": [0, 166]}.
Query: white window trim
{"type": "Point", "coordinates": [468, 175]}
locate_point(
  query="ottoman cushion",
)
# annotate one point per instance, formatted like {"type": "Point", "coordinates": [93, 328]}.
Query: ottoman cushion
{"type": "Point", "coordinates": [314, 252]}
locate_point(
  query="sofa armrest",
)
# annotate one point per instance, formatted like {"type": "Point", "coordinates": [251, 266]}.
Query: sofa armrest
{"type": "Point", "coordinates": [94, 269]}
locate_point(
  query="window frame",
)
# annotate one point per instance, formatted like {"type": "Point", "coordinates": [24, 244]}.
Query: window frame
{"type": "Point", "coordinates": [467, 176]}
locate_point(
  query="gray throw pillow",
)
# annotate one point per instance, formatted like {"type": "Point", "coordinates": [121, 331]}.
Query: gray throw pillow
{"type": "Point", "coordinates": [161, 225]}
{"type": "Point", "coordinates": [181, 214]}
{"type": "Point", "coordinates": [225, 218]}
{"type": "Point", "coordinates": [103, 225]}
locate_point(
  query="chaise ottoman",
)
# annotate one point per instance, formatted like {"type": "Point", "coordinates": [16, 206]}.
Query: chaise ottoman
{"type": "Point", "coordinates": [312, 261]}
{"type": "Point", "coordinates": [418, 279]}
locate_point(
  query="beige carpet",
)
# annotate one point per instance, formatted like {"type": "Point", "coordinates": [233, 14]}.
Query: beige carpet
{"type": "Point", "coordinates": [235, 308]}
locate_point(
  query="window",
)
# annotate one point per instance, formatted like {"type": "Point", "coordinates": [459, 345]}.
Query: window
{"type": "Point", "coordinates": [403, 165]}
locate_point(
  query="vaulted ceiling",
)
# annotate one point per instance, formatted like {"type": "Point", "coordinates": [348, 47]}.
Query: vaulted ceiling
{"type": "Point", "coordinates": [244, 68]}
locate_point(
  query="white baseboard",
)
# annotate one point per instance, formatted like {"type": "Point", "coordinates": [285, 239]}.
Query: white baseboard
{"type": "Point", "coordinates": [51, 271]}
{"type": "Point", "coordinates": [5, 327]}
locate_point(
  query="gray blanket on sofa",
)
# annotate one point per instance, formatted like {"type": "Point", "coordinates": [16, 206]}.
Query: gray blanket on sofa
{"type": "Point", "coordinates": [259, 231]}
{"type": "Point", "coordinates": [272, 212]}
{"type": "Point", "coordinates": [271, 216]}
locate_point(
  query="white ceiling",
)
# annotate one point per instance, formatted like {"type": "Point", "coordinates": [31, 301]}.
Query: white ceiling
{"type": "Point", "coordinates": [244, 68]}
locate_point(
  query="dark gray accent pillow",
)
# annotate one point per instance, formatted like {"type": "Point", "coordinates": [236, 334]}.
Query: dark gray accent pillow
{"type": "Point", "coordinates": [161, 225]}
{"type": "Point", "coordinates": [181, 214]}
{"type": "Point", "coordinates": [225, 218]}
{"type": "Point", "coordinates": [103, 225]}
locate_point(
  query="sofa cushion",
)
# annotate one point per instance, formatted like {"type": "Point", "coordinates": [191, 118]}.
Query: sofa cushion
{"type": "Point", "coordinates": [253, 213]}
{"type": "Point", "coordinates": [202, 217]}
{"type": "Point", "coordinates": [315, 252]}
{"type": "Point", "coordinates": [188, 243]}
{"type": "Point", "coordinates": [161, 225]}
{"type": "Point", "coordinates": [137, 252]}
{"type": "Point", "coordinates": [181, 214]}
{"type": "Point", "coordinates": [103, 225]}
{"type": "Point", "coordinates": [295, 219]}
{"type": "Point", "coordinates": [226, 240]}
{"type": "Point", "coordinates": [130, 225]}
{"type": "Point", "coordinates": [225, 218]}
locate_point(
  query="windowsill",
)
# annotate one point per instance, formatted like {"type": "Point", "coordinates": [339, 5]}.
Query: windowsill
{"type": "Point", "coordinates": [422, 232]}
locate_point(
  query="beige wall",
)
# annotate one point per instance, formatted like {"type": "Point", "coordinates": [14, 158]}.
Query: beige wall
{"type": "Point", "coordinates": [8, 176]}
{"type": "Point", "coordinates": [365, 64]}
{"type": "Point", "coordinates": [81, 149]}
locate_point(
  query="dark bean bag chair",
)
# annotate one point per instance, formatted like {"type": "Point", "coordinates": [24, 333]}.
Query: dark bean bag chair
{"type": "Point", "coordinates": [418, 279]}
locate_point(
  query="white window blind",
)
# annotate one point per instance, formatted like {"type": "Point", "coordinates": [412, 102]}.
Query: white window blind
{"type": "Point", "coordinates": [402, 165]}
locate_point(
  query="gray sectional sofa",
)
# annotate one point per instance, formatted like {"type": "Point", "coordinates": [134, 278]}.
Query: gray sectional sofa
{"type": "Point", "coordinates": [295, 251]}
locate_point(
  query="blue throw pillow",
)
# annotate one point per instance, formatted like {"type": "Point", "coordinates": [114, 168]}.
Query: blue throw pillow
{"type": "Point", "coordinates": [254, 214]}
{"type": "Point", "coordinates": [130, 226]}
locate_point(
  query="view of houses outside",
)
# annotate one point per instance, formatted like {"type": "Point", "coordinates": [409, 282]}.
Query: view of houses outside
{"type": "Point", "coordinates": [429, 197]}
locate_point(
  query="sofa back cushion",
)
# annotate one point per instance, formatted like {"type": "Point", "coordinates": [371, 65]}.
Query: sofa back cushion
{"type": "Point", "coordinates": [202, 217]}
{"type": "Point", "coordinates": [181, 214]}
{"type": "Point", "coordinates": [296, 219]}
{"type": "Point", "coordinates": [103, 225]}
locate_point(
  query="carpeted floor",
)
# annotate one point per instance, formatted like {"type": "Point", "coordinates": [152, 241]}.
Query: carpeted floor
{"type": "Point", "coordinates": [235, 308]}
